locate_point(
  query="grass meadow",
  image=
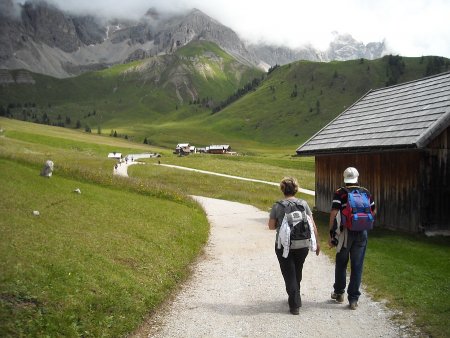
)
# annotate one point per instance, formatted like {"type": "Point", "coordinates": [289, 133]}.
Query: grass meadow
{"type": "Point", "coordinates": [99, 262]}
{"type": "Point", "coordinates": [139, 99]}
{"type": "Point", "coordinates": [413, 273]}
{"type": "Point", "coordinates": [91, 264]}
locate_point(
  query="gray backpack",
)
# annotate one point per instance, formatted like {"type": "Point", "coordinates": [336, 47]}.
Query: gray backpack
{"type": "Point", "coordinates": [295, 215]}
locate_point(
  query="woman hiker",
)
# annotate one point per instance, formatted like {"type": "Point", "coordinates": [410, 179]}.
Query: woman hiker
{"type": "Point", "coordinates": [292, 256]}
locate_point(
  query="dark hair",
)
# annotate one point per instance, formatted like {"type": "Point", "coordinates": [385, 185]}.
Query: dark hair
{"type": "Point", "coordinates": [289, 186]}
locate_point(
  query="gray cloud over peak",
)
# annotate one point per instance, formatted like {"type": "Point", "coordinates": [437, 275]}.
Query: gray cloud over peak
{"type": "Point", "coordinates": [9, 8]}
{"type": "Point", "coordinates": [412, 28]}
{"type": "Point", "coordinates": [135, 9]}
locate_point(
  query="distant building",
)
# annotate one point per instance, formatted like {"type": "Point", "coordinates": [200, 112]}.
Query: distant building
{"type": "Point", "coordinates": [115, 155]}
{"type": "Point", "coordinates": [143, 155]}
{"type": "Point", "coordinates": [182, 149]}
{"type": "Point", "coordinates": [219, 149]}
{"type": "Point", "coordinates": [398, 138]}
{"type": "Point", "coordinates": [186, 148]}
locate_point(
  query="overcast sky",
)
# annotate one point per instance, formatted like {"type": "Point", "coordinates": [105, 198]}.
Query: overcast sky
{"type": "Point", "coordinates": [409, 27]}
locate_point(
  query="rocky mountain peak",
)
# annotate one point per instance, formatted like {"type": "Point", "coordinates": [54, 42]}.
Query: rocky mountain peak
{"type": "Point", "coordinates": [345, 47]}
{"type": "Point", "coordinates": [40, 37]}
{"type": "Point", "coordinates": [152, 13]}
{"type": "Point", "coordinates": [47, 24]}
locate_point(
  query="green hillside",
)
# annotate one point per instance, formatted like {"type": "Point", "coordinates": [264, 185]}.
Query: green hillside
{"type": "Point", "coordinates": [135, 99]}
{"type": "Point", "coordinates": [170, 99]}
{"type": "Point", "coordinates": [298, 99]}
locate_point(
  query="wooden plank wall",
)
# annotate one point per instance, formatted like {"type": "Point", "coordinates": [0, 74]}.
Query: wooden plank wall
{"type": "Point", "coordinates": [437, 172]}
{"type": "Point", "coordinates": [393, 178]}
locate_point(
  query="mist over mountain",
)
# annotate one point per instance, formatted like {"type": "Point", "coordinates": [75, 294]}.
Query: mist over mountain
{"type": "Point", "coordinates": [344, 47]}
{"type": "Point", "coordinates": [39, 37]}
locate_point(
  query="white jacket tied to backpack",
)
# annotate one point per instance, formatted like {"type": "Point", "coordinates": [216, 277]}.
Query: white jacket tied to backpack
{"type": "Point", "coordinates": [284, 235]}
{"type": "Point", "coordinates": [313, 243]}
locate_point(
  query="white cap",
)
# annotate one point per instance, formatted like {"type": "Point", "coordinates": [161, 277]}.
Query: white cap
{"type": "Point", "coordinates": [351, 175]}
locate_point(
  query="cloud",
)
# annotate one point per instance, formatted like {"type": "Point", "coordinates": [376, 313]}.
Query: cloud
{"type": "Point", "coordinates": [9, 8]}
{"type": "Point", "coordinates": [410, 27]}
{"type": "Point", "coordinates": [130, 9]}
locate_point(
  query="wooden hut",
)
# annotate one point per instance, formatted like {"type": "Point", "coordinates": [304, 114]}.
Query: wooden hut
{"type": "Point", "coordinates": [182, 148]}
{"type": "Point", "coordinates": [398, 138]}
{"type": "Point", "coordinates": [219, 149]}
{"type": "Point", "coordinates": [115, 155]}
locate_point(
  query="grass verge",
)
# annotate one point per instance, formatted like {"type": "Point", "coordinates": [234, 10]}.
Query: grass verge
{"type": "Point", "coordinates": [92, 264]}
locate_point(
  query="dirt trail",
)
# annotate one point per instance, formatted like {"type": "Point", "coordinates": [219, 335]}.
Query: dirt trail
{"type": "Point", "coordinates": [305, 191]}
{"type": "Point", "coordinates": [122, 168]}
{"type": "Point", "coordinates": [237, 289]}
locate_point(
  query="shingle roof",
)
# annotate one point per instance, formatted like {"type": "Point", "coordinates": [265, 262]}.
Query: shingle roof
{"type": "Point", "coordinates": [219, 146]}
{"type": "Point", "coordinates": [408, 115]}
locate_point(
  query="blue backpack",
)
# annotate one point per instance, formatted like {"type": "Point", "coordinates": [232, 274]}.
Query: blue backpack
{"type": "Point", "coordinates": [357, 215]}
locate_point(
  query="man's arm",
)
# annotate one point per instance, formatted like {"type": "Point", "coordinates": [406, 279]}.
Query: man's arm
{"type": "Point", "coordinates": [333, 214]}
{"type": "Point", "coordinates": [373, 207]}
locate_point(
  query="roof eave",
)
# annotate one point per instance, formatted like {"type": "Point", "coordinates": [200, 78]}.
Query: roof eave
{"type": "Point", "coordinates": [356, 150]}
{"type": "Point", "coordinates": [434, 130]}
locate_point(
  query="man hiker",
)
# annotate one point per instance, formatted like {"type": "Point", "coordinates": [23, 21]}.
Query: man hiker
{"type": "Point", "coordinates": [352, 214]}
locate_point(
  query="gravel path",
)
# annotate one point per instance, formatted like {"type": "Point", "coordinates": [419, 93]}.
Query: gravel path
{"type": "Point", "coordinates": [122, 168]}
{"type": "Point", "coordinates": [305, 191]}
{"type": "Point", "coordinates": [237, 289]}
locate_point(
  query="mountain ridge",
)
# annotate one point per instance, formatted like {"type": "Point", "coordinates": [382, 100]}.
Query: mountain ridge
{"type": "Point", "coordinates": [169, 98]}
{"type": "Point", "coordinates": [46, 40]}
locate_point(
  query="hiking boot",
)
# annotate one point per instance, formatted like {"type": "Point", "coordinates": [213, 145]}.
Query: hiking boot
{"type": "Point", "coordinates": [353, 305]}
{"type": "Point", "coordinates": [294, 311]}
{"type": "Point", "coordinates": [338, 297]}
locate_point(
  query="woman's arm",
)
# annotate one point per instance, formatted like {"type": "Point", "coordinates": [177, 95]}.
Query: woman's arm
{"type": "Point", "coordinates": [317, 237]}
{"type": "Point", "coordinates": [272, 224]}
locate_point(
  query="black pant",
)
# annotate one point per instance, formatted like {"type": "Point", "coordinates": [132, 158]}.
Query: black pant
{"type": "Point", "coordinates": [291, 268]}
